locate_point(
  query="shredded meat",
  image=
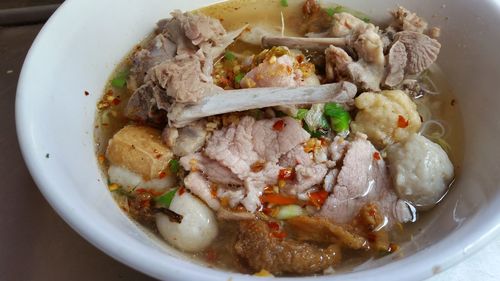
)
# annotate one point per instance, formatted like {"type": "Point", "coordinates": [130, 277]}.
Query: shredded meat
{"type": "Point", "coordinates": [260, 250]}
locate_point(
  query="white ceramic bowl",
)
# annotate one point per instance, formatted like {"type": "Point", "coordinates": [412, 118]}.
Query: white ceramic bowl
{"type": "Point", "coordinates": [84, 40]}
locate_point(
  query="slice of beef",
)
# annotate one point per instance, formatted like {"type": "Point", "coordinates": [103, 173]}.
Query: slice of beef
{"type": "Point", "coordinates": [295, 157]}
{"type": "Point", "coordinates": [396, 64]}
{"type": "Point", "coordinates": [316, 229]}
{"type": "Point", "coordinates": [233, 147]}
{"type": "Point", "coordinates": [255, 184]}
{"type": "Point", "coordinates": [200, 187]}
{"type": "Point", "coordinates": [362, 179]}
{"type": "Point", "coordinates": [422, 51]}
{"type": "Point", "coordinates": [337, 148]}
{"type": "Point", "coordinates": [330, 180]}
{"type": "Point", "coordinates": [199, 28]}
{"type": "Point", "coordinates": [272, 138]}
{"type": "Point", "coordinates": [260, 250]}
{"type": "Point", "coordinates": [183, 79]}
{"type": "Point", "coordinates": [158, 50]}
{"type": "Point", "coordinates": [214, 171]}
{"type": "Point", "coordinates": [149, 103]}
{"type": "Point", "coordinates": [306, 177]}
{"type": "Point", "coordinates": [232, 195]}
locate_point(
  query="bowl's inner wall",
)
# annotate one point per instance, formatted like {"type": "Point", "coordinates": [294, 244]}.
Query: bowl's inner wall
{"type": "Point", "coordinates": [81, 45]}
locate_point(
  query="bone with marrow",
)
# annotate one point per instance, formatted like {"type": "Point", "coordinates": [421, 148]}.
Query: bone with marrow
{"type": "Point", "coordinates": [246, 99]}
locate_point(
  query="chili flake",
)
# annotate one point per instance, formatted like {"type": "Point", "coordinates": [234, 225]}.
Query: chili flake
{"type": "Point", "coordinates": [318, 198]}
{"type": "Point", "coordinates": [213, 190]}
{"type": "Point", "coordinates": [113, 187]}
{"type": "Point", "coordinates": [279, 235]}
{"type": "Point", "coordinates": [268, 189]}
{"type": "Point", "coordinates": [392, 248]}
{"type": "Point", "coordinates": [279, 125]}
{"type": "Point", "coordinates": [116, 101]}
{"type": "Point", "coordinates": [281, 183]}
{"type": "Point", "coordinates": [402, 122]}
{"type": "Point", "coordinates": [273, 225]}
{"type": "Point", "coordinates": [210, 255]}
{"type": "Point", "coordinates": [101, 159]}
{"type": "Point", "coordinates": [182, 190]}
{"type": "Point", "coordinates": [257, 167]}
{"type": "Point", "coordinates": [286, 174]}
{"type": "Point", "coordinates": [162, 174]}
{"type": "Point", "coordinates": [376, 155]}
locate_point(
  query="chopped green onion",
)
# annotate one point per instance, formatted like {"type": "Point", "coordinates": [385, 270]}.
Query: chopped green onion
{"type": "Point", "coordinates": [324, 123]}
{"type": "Point", "coordinates": [289, 211]}
{"type": "Point", "coordinates": [339, 117]}
{"type": "Point", "coordinates": [166, 198]}
{"type": "Point", "coordinates": [333, 11]}
{"type": "Point", "coordinates": [301, 114]}
{"type": "Point", "coordinates": [229, 56]}
{"type": "Point", "coordinates": [341, 9]}
{"type": "Point", "coordinates": [174, 165]}
{"type": "Point", "coordinates": [284, 3]}
{"type": "Point", "coordinates": [256, 113]}
{"type": "Point", "coordinates": [120, 79]}
{"type": "Point", "coordinates": [280, 113]}
{"type": "Point", "coordinates": [238, 77]}
{"type": "Point", "coordinates": [365, 19]}
{"type": "Point", "coordinates": [315, 134]}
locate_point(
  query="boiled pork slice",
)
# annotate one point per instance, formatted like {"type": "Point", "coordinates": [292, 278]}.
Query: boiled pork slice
{"type": "Point", "coordinates": [363, 179]}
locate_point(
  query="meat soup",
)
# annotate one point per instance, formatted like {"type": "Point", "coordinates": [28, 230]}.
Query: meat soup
{"type": "Point", "coordinates": [302, 141]}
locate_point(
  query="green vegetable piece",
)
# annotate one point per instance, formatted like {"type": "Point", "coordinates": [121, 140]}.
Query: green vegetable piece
{"type": "Point", "coordinates": [238, 77]}
{"type": "Point", "coordinates": [174, 165]}
{"type": "Point", "coordinates": [336, 10]}
{"type": "Point", "coordinates": [330, 12]}
{"type": "Point", "coordinates": [315, 134]}
{"type": "Point", "coordinates": [341, 9]}
{"type": "Point", "coordinates": [324, 123]}
{"type": "Point", "coordinates": [120, 79]}
{"type": "Point", "coordinates": [166, 198]}
{"type": "Point", "coordinates": [256, 113]}
{"type": "Point", "coordinates": [280, 113]}
{"type": "Point", "coordinates": [289, 211]}
{"type": "Point", "coordinates": [339, 117]}
{"type": "Point", "coordinates": [284, 3]}
{"type": "Point", "coordinates": [301, 114]}
{"type": "Point", "coordinates": [229, 56]}
{"type": "Point", "coordinates": [365, 19]}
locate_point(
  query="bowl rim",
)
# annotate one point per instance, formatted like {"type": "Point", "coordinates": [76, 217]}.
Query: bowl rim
{"type": "Point", "coordinates": [446, 257]}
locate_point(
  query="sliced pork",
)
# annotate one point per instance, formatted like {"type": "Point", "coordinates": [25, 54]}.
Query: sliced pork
{"type": "Point", "coordinates": [363, 179]}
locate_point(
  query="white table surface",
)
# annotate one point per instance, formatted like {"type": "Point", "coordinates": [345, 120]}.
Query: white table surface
{"type": "Point", "coordinates": [35, 244]}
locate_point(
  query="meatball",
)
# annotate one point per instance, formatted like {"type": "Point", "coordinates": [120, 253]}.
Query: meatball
{"type": "Point", "coordinates": [386, 117]}
{"type": "Point", "coordinates": [197, 229]}
{"type": "Point", "coordinates": [421, 171]}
